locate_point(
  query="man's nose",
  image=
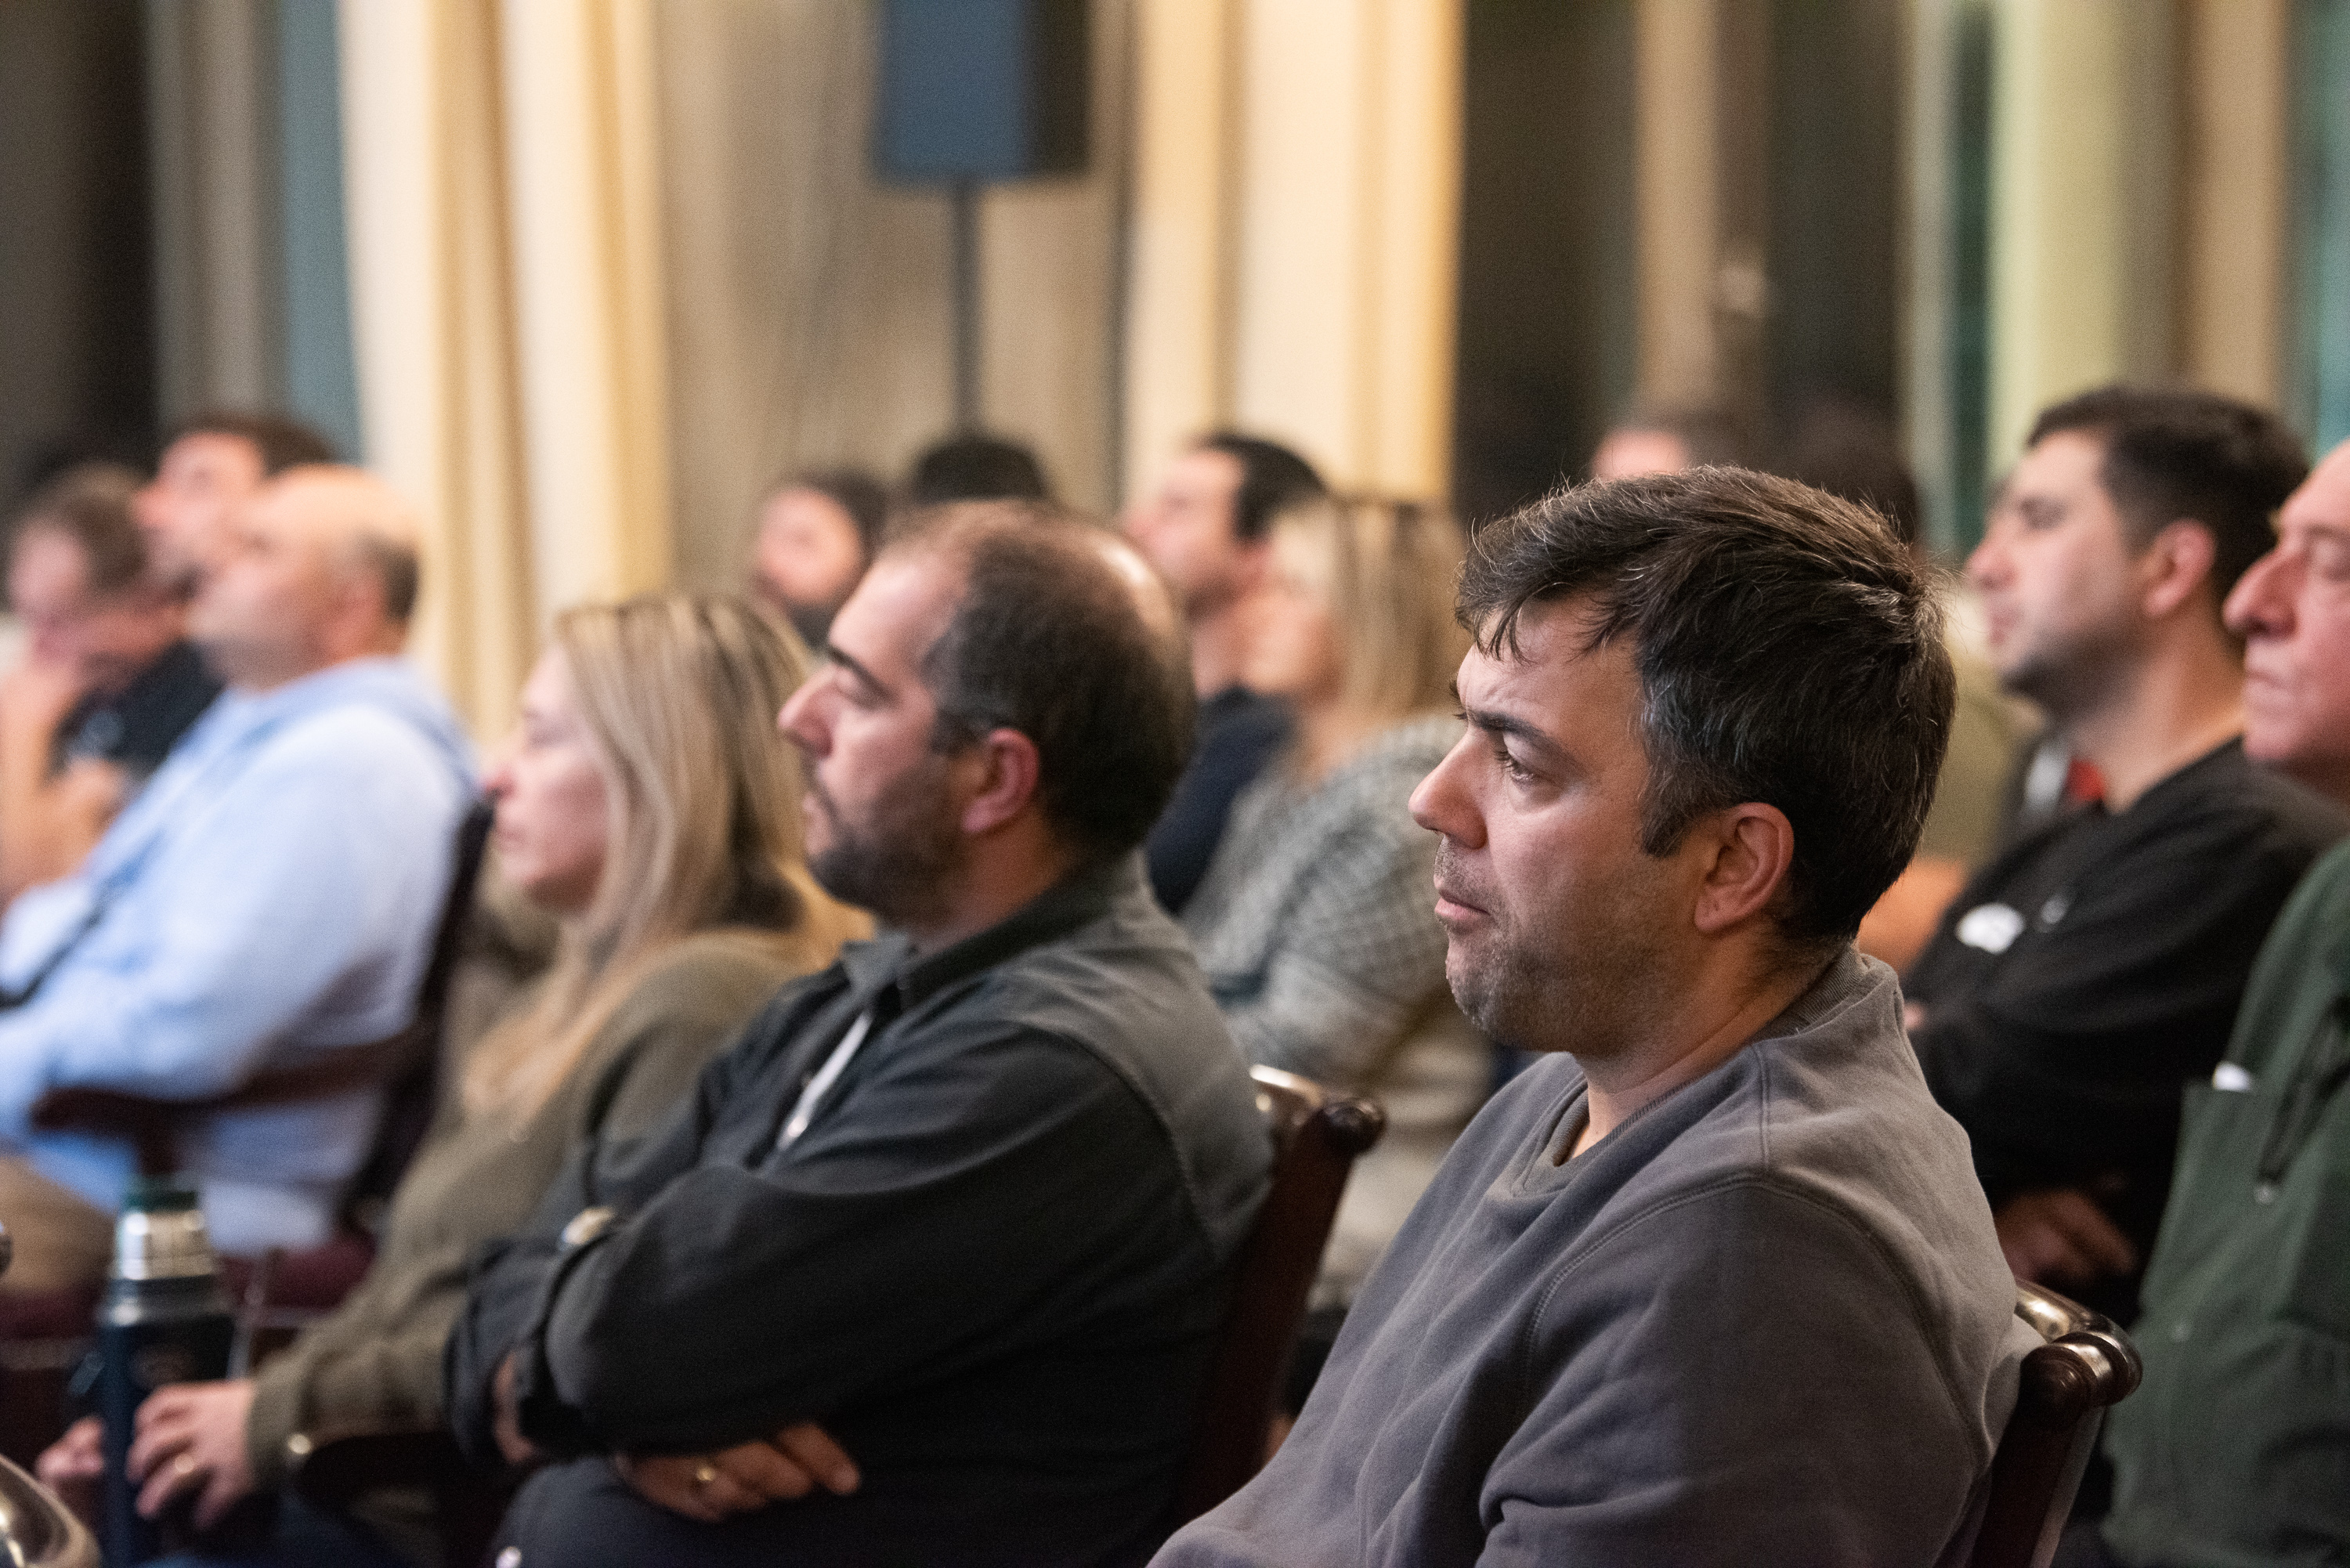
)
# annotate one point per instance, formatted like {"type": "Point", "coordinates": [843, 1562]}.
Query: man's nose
{"type": "Point", "coordinates": [1442, 804]}
{"type": "Point", "coordinates": [2259, 605]}
{"type": "Point", "coordinates": [797, 720]}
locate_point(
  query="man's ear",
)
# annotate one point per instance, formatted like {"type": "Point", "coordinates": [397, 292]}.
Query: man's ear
{"type": "Point", "coordinates": [1750, 848]}
{"type": "Point", "coordinates": [2176, 566]}
{"type": "Point", "coordinates": [1008, 771]}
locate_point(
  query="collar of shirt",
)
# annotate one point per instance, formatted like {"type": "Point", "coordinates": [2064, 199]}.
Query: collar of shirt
{"type": "Point", "coordinates": [890, 963]}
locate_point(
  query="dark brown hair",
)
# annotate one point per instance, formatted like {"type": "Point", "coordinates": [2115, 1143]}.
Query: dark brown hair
{"type": "Point", "coordinates": [2173, 454]}
{"type": "Point", "coordinates": [1047, 639]}
{"type": "Point", "coordinates": [1789, 651]}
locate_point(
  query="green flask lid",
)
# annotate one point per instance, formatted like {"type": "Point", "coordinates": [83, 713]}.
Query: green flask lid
{"type": "Point", "coordinates": [159, 1195]}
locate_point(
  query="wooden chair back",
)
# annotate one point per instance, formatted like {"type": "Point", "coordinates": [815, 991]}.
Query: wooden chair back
{"type": "Point", "coordinates": [1317, 1138]}
{"type": "Point", "coordinates": [2082, 1365]}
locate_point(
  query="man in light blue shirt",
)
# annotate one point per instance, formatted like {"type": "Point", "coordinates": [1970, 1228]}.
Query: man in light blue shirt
{"type": "Point", "coordinates": [269, 898]}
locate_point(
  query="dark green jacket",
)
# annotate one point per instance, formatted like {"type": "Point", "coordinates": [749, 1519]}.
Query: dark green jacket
{"type": "Point", "coordinates": [2236, 1451]}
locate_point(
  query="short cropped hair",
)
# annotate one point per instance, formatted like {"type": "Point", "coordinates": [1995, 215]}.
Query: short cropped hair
{"type": "Point", "coordinates": [2175, 453]}
{"type": "Point", "coordinates": [1047, 639]}
{"type": "Point", "coordinates": [90, 505]}
{"type": "Point", "coordinates": [1272, 479]}
{"type": "Point", "coordinates": [1789, 651]}
{"type": "Point", "coordinates": [976, 468]}
{"type": "Point", "coordinates": [283, 442]}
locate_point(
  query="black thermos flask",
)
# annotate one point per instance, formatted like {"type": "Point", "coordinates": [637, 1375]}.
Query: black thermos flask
{"type": "Point", "coordinates": [165, 1318]}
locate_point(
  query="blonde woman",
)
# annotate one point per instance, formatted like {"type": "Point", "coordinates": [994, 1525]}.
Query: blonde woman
{"type": "Point", "coordinates": [647, 802]}
{"type": "Point", "coordinates": [1316, 923]}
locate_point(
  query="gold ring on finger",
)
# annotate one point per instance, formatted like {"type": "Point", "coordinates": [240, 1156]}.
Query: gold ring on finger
{"type": "Point", "coordinates": [703, 1474]}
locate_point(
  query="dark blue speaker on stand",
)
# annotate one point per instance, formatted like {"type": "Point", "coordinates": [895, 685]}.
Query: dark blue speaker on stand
{"type": "Point", "coordinates": [972, 91]}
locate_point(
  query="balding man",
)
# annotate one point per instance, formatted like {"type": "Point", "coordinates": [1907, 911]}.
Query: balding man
{"type": "Point", "coordinates": [267, 900]}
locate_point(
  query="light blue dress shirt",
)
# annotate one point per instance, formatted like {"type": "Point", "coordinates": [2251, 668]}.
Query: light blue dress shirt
{"type": "Point", "coordinates": [270, 896]}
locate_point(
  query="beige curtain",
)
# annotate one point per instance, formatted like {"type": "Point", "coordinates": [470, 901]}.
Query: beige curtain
{"type": "Point", "coordinates": [1295, 225]}
{"type": "Point", "coordinates": [507, 304]}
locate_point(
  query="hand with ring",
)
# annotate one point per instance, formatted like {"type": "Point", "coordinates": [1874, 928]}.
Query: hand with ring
{"type": "Point", "coordinates": [744, 1479]}
{"type": "Point", "coordinates": [191, 1439]}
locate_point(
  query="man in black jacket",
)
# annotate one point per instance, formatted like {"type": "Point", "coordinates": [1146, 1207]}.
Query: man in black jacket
{"type": "Point", "coordinates": [2093, 968]}
{"type": "Point", "coordinates": [965, 1201]}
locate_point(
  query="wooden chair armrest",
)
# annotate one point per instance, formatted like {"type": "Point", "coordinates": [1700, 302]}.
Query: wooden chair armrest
{"type": "Point", "coordinates": [148, 1124]}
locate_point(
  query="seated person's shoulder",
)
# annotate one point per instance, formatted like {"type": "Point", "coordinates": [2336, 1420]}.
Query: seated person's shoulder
{"type": "Point", "coordinates": [355, 743]}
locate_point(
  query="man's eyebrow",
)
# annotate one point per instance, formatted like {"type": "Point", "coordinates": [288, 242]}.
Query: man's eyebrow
{"type": "Point", "coordinates": [1494, 723]}
{"type": "Point", "coordinates": [833, 654]}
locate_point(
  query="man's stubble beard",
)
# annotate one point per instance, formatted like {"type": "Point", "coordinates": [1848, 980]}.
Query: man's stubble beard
{"type": "Point", "coordinates": [1538, 998]}
{"type": "Point", "coordinates": [895, 864]}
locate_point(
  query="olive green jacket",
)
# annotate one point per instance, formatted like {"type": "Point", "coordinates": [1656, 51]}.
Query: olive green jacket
{"type": "Point", "coordinates": [375, 1364]}
{"type": "Point", "coordinates": [2235, 1453]}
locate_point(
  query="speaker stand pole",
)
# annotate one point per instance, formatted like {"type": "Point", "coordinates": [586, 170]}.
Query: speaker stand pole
{"type": "Point", "coordinates": [965, 198]}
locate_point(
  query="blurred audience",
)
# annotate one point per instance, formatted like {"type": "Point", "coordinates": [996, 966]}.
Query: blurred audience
{"type": "Point", "coordinates": [1710, 1283]}
{"type": "Point", "coordinates": [968, 1198]}
{"type": "Point", "coordinates": [110, 681]}
{"type": "Point", "coordinates": [2093, 968]}
{"type": "Point", "coordinates": [647, 803]}
{"type": "Point", "coordinates": [973, 467]}
{"type": "Point", "coordinates": [818, 532]}
{"type": "Point", "coordinates": [1853, 453]}
{"type": "Point", "coordinates": [1205, 528]}
{"type": "Point", "coordinates": [1314, 923]}
{"type": "Point", "coordinates": [269, 898]}
{"type": "Point", "coordinates": [2236, 1448]}
{"type": "Point", "coordinates": [1666, 441]}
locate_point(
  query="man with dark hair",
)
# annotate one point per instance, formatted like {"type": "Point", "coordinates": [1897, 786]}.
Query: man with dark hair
{"type": "Point", "coordinates": [966, 1200]}
{"type": "Point", "coordinates": [213, 463]}
{"type": "Point", "coordinates": [2091, 970]}
{"type": "Point", "coordinates": [1205, 529]}
{"type": "Point", "coordinates": [110, 682]}
{"type": "Point", "coordinates": [1709, 1283]}
{"type": "Point", "coordinates": [973, 467]}
{"type": "Point", "coordinates": [818, 532]}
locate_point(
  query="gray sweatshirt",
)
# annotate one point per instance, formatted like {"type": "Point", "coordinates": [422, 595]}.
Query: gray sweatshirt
{"type": "Point", "coordinates": [1765, 1320]}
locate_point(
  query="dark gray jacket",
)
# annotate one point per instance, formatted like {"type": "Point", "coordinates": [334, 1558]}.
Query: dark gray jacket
{"type": "Point", "coordinates": [1765, 1321]}
{"type": "Point", "coordinates": [992, 1267]}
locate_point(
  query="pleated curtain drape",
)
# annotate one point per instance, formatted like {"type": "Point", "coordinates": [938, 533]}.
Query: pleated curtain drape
{"type": "Point", "coordinates": [501, 168]}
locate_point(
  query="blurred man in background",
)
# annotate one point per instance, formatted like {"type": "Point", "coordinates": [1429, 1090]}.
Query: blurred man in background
{"type": "Point", "coordinates": [211, 464]}
{"type": "Point", "coordinates": [2093, 967]}
{"type": "Point", "coordinates": [109, 683]}
{"type": "Point", "coordinates": [1205, 527]}
{"type": "Point", "coordinates": [267, 900]}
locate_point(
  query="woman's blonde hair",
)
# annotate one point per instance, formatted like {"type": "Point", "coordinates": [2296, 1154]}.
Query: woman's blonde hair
{"type": "Point", "coordinates": [678, 693]}
{"type": "Point", "coordinates": [1392, 567]}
